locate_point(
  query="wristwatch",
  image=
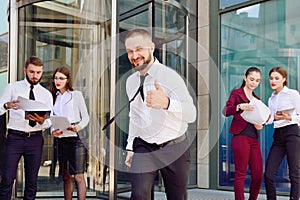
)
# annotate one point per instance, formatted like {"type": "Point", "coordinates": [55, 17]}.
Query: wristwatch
{"type": "Point", "coordinates": [5, 106]}
{"type": "Point", "coordinates": [239, 107]}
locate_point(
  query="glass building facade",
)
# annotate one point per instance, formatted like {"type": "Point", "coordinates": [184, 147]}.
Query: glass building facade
{"type": "Point", "coordinates": [3, 45]}
{"type": "Point", "coordinates": [263, 35]}
{"type": "Point", "coordinates": [209, 43]}
{"type": "Point", "coordinates": [88, 37]}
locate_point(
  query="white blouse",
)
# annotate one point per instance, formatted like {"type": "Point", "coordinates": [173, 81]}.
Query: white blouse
{"type": "Point", "coordinates": [285, 99]}
{"type": "Point", "coordinates": [71, 105]}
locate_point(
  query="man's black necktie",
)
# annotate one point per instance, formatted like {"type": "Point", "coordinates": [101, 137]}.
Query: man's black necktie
{"type": "Point", "coordinates": [139, 90]}
{"type": "Point", "coordinates": [31, 96]}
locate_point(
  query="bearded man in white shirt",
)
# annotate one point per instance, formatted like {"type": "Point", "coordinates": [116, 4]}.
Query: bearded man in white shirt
{"type": "Point", "coordinates": [159, 118]}
{"type": "Point", "coordinates": [24, 136]}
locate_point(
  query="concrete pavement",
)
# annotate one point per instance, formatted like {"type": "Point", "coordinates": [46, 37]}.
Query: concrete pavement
{"type": "Point", "coordinates": [206, 194]}
{"type": "Point", "coordinates": [193, 194]}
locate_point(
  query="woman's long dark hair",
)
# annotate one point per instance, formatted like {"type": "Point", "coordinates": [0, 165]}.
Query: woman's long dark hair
{"type": "Point", "coordinates": [249, 70]}
{"type": "Point", "coordinates": [282, 72]}
{"type": "Point", "coordinates": [64, 70]}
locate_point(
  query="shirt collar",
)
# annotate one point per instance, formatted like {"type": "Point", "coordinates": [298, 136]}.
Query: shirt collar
{"type": "Point", "coordinates": [29, 84]}
{"type": "Point", "coordinates": [153, 69]}
{"type": "Point", "coordinates": [284, 90]}
{"type": "Point", "coordinates": [58, 93]}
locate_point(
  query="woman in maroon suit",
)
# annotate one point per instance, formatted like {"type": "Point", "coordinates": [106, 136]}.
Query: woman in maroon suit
{"type": "Point", "coordinates": [245, 145]}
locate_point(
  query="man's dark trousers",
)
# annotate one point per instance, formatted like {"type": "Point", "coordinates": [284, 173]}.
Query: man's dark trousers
{"type": "Point", "coordinates": [31, 149]}
{"type": "Point", "coordinates": [173, 162]}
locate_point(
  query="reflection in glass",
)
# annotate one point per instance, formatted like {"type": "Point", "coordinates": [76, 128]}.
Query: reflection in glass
{"type": "Point", "coordinates": [3, 46]}
{"type": "Point", "coordinates": [228, 3]}
{"type": "Point", "coordinates": [71, 33]}
{"type": "Point", "coordinates": [262, 35]}
{"type": "Point", "coordinates": [77, 34]}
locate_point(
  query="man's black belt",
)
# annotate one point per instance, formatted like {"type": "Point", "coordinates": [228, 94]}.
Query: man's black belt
{"type": "Point", "coordinates": [22, 133]}
{"type": "Point", "coordinates": [175, 141]}
{"type": "Point", "coordinates": [159, 146]}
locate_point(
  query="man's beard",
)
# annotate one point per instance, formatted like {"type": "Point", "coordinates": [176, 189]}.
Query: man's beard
{"type": "Point", "coordinates": [33, 83]}
{"type": "Point", "coordinates": [143, 66]}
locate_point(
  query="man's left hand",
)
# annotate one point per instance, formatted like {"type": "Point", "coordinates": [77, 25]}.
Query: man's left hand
{"type": "Point", "coordinates": [128, 159]}
{"type": "Point", "coordinates": [37, 118]}
{"type": "Point", "coordinates": [157, 98]}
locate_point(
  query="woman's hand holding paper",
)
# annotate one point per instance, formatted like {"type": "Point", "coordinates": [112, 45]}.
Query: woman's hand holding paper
{"type": "Point", "coordinates": [258, 112]}
{"type": "Point", "coordinates": [57, 132]}
{"type": "Point", "coordinates": [246, 106]}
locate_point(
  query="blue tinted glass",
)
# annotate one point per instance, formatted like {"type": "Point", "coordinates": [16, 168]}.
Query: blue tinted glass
{"type": "Point", "coordinates": [3, 81]}
{"type": "Point", "coordinates": [263, 35]}
{"type": "Point", "coordinates": [3, 17]}
{"type": "Point", "coordinates": [3, 44]}
{"type": "Point", "coordinates": [127, 5]}
{"type": "Point", "coordinates": [228, 3]}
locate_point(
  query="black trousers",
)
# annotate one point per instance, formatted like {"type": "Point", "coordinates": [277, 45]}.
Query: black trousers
{"type": "Point", "coordinates": [173, 162]}
{"type": "Point", "coordinates": [286, 143]}
{"type": "Point", "coordinates": [31, 149]}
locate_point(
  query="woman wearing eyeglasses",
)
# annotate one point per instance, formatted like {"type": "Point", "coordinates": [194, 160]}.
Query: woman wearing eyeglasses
{"type": "Point", "coordinates": [71, 151]}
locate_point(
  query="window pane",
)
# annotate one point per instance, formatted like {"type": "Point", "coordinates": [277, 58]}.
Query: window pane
{"type": "Point", "coordinates": [127, 5]}
{"type": "Point", "coordinates": [264, 35]}
{"type": "Point", "coordinates": [66, 32]}
{"type": "Point", "coordinates": [228, 3]}
{"type": "Point", "coordinates": [3, 45]}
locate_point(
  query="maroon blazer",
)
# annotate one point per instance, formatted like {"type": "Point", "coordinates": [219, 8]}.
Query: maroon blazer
{"type": "Point", "coordinates": [236, 97]}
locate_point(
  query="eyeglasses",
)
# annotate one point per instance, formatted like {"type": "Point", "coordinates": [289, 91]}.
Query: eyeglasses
{"type": "Point", "coordinates": [59, 78]}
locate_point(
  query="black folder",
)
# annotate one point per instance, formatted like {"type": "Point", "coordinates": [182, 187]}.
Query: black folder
{"type": "Point", "coordinates": [40, 113]}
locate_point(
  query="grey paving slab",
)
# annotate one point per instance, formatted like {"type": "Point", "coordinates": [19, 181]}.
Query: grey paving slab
{"type": "Point", "coordinates": [193, 194]}
{"type": "Point", "coordinates": [205, 194]}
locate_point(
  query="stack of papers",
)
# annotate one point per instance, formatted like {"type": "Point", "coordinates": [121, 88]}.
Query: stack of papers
{"type": "Point", "coordinates": [58, 122]}
{"type": "Point", "coordinates": [32, 106]}
{"type": "Point", "coordinates": [259, 114]}
{"type": "Point", "coordinates": [62, 123]}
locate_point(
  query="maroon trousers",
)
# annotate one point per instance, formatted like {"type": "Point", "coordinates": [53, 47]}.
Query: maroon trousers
{"type": "Point", "coordinates": [246, 152]}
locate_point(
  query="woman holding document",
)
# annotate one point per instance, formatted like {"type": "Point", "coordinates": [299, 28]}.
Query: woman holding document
{"type": "Point", "coordinates": [71, 152]}
{"type": "Point", "coordinates": [245, 145]}
{"type": "Point", "coordinates": [284, 104]}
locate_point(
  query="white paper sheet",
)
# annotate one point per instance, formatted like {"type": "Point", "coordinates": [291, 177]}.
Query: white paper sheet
{"type": "Point", "coordinates": [259, 114]}
{"type": "Point", "coordinates": [31, 105]}
{"type": "Point", "coordinates": [62, 123]}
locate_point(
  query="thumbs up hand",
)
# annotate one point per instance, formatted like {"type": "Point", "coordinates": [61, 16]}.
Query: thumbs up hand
{"type": "Point", "coordinates": [157, 98]}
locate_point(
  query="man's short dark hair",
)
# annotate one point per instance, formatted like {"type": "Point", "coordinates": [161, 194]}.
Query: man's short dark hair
{"type": "Point", "coordinates": [136, 32]}
{"type": "Point", "coordinates": [34, 60]}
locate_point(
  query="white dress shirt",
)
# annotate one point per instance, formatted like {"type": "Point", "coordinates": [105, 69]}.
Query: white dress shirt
{"type": "Point", "coordinates": [159, 125]}
{"type": "Point", "coordinates": [17, 119]}
{"type": "Point", "coordinates": [285, 99]}
{"type": "Point", "coordinates": [71, 105]}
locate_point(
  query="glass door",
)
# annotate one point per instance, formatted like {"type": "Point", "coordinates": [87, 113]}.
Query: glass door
{"type": "Point", "coordinates": [73, 34]}
{"type": "Point", "coordinates": [262, 35]}
{"type": "Point", "coordinates": [168, 24]}
{"type": "Point", "coordinates": [78, 34]}
{"type": "Point", "coordinates": [232, 75]}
